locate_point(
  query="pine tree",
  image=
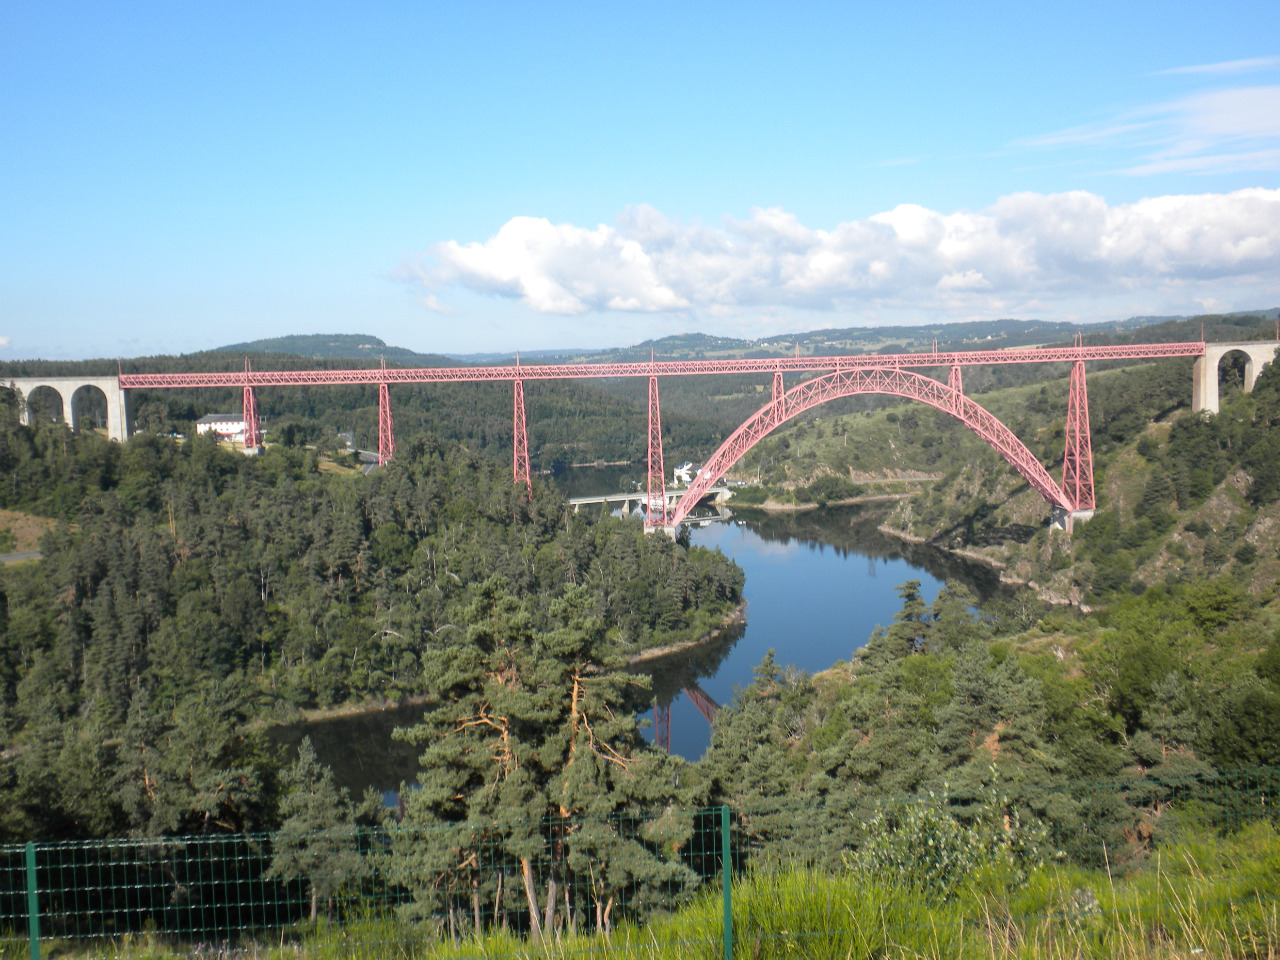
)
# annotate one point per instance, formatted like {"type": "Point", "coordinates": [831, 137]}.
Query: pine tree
{"type": "Point", "coordinates": [317, 840]}
{"type": "Point", "coordinates": [531, 755]}
{"type": "Point", "coordinates": [909, 632]}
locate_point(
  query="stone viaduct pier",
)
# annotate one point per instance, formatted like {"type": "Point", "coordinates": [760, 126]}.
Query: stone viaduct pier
{"type": "Point", "coordinates": [1204, 375]}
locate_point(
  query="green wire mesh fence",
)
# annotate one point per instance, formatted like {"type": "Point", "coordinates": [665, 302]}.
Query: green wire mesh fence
{"type": "Point", "coordinates": [658, 883]}
{"type": "Point", "coordinates": [454, 882]}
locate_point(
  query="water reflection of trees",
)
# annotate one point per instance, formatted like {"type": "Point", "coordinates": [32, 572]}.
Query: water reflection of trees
{"type": "Point", "coordinates": [853, 530]}
{"type": "Point", "coordinates": [673, 673]}
{"type": "Point", "coordinates": [358, 747]}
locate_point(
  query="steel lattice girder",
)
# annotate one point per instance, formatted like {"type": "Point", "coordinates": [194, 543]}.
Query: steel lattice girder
{"type": "Point", "coordinates": [1077, 456]}
{"type": "Point", "coordinates": [579, 371]}
{"type": "Point", "coordinates": [701, 702]}
{"type": "Point", "coordinates": [894, 381]}
{"type": "Point", "coordinates": [520, 442]}
{"type": "Point", "coordinates": [656, 483]}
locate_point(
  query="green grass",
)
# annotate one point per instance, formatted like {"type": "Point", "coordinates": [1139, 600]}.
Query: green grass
{"type": "Point", "coordinates": [1204, 897]}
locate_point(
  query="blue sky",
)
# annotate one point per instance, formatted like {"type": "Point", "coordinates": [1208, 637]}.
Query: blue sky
{"type": "Point", "coordinates": [487, 176]}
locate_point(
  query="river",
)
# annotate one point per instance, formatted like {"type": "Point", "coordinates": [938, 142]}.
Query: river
{"type": "Point", "coordinates": [817, 584]}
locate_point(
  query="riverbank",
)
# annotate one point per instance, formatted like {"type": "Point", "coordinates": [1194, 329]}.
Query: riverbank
{"type": "Point", "coordinates": [1000, 568]}
{"type": "Point", "coordinates": [736, 616]}
{"type": "Point", "coordinates": [777, 506]}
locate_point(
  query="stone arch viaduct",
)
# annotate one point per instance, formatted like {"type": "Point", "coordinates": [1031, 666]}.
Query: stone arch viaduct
{"type": "Point", "coordinates": [68, 390]}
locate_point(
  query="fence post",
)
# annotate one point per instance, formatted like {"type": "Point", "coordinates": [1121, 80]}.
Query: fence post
{"type": "Point", "coordinates": [726, 880]}
{"type": "Point", "coordinates": [33, 902]}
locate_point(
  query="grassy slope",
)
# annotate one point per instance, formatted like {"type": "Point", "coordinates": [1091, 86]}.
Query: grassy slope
{"type": "Point", "coordinates": [20, 532]}
{"type": "Point", "coordinates": [1205, 897]}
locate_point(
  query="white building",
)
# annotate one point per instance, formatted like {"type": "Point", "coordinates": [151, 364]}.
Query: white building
{"type": "Point", "coordinates": [228, 426]}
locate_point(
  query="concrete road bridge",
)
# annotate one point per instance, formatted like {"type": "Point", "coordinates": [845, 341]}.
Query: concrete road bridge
{"type": "Point", "coordinates": [630, 500]}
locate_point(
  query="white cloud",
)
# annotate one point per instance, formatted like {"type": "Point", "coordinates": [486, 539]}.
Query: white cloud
{"type": "Point", "coordinates": [559, 268]}
{"type": "Point", "coordinates": [1214, 132]}
{"type": "Point", "coordinates": [1246, 113]}
{"type": "Point", "coordinates": [1244, 161]}
{"type": "Point", "coordinates": [1228, 66]}
{"type": "Point", "coordinates": [4, 342]}
{"type": "Point", "coordinates": [1025, 250]}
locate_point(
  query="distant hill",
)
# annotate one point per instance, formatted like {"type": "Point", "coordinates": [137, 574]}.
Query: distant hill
{"type": "Point", "coordinates": [340, 346]}
{"type": "Point", "coordinates": [972, 335]}
{"type": "Point", "coordinates": [981, 334]}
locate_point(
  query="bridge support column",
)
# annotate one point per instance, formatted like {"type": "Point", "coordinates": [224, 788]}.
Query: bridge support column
{"type": "Point", "coordinates": [252, 430]}
{"type": "Point", "coordinates": [956, 383]}
{"type": "Point", "coordinates": [1077, 458]}
{"type": "Point", "coordinates": [386, 428]}
{"type": "Point", "coordinates": [662, 726]}
{"type": "Point", "coordinates": [117, 414]}
{"type": "Point", "coordinates": [249, 411]}
{"type": "Point", "coordinates": [1204, 385]}
{"type": "Point", "coordinates": [656, 490]}
{"type": "Point", "coordinates": [520, 443]}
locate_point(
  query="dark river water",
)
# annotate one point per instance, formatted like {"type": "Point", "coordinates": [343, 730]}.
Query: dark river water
{"type": "Point", "coordinates": [817, 584]}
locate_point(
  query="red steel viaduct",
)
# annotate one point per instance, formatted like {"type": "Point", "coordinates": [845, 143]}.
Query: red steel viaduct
{"type": "Point", "coordinates": [828, 377]}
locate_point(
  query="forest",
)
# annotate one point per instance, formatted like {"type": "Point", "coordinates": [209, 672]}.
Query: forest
{"type": "Point", "coordinates": [192, 594]}
{"type": "Point", "coordinates": [189, 598]}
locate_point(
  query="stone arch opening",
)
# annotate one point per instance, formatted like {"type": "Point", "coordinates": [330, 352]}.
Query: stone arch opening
{"type": "Point", "coordinates": [44, 404]}
{"type": "Point", "coordinates": [89, 408]}
{"type": "Point", "coordinates": [1235, 373]}
{"type": "Point", "coordinates": [1230, 366]}
{"type": "Point", "coordinates": [891, 381]}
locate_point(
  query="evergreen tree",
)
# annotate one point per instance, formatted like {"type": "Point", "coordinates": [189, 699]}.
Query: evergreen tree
{"type": "Point", "coordinates": [531, 754]}
{"type": "Point", "coordinates": [909, 632]}
{"type": "Point", "coordinates": [317, 839]}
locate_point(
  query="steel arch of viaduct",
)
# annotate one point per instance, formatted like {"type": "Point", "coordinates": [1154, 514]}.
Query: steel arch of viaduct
{"type": "Point", "coordinates": [890, 380]}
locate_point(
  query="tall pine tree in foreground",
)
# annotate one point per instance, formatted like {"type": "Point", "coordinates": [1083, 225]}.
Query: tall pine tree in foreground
{"type": "Point", "coordinates": [533, 765]}
{"type": "Point", "coordinates": [317, 840]}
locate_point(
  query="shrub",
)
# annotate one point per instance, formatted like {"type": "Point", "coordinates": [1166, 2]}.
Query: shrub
{"type": "Point", "coordinates": [924, 846]}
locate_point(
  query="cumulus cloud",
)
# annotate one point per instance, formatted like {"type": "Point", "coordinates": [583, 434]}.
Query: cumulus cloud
{"type": "Point", "coordinates": [4, 342]}
{"type": "Point", "coordinates": [1027, 248]}
{"type": "Point", "coordinates": [560, 268]}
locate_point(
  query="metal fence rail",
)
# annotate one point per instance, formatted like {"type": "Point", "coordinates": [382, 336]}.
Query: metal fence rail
{"type": "Point", "coordinates": [560, 878]}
